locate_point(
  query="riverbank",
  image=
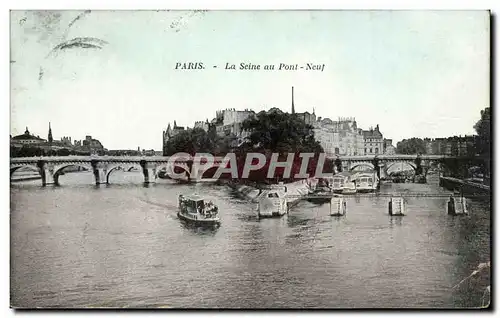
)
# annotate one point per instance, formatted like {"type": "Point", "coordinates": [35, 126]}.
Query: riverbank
{"type": "Point", "coordinates": [33, 175]}
{"type": "Point", "coordinates": [25, 176]}
{"type": "Point", "coordinates": [468, 187]}
{"type": "Point", "coordinates": [295, 190]}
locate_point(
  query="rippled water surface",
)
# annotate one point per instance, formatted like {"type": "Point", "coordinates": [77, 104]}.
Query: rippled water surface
{"type": "Point", "coordinates": [79, 245]}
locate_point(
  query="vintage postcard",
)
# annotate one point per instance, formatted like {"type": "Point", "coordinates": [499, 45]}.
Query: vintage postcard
{"type": "Point", "coordinates": [250, 159]}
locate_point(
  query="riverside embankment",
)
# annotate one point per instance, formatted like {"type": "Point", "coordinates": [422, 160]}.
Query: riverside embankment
{"type": "Point", "coordinates": [465, 186]}
{"type": "Point", "coordinates": [294, 190]}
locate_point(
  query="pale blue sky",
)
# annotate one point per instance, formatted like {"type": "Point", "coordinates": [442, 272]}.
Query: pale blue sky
{"type": "Point", "coordinates": [421, 73]}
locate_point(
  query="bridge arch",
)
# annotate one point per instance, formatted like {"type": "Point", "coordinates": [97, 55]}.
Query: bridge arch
{"type": "Point", "coordinates": [18, 167]}
{"type": "Point", "coordinates": [125, 166]}
{"type": "Point", "coordinates": [361, 164]}
{"type": "Point", "coordinates": [210, 172]}
{"type": "Point", "coordinates": [57, 170]}
{"type": "Point", "coordinates": [169, 166]}
{"type": "Point", "coordinates": [388, 165]}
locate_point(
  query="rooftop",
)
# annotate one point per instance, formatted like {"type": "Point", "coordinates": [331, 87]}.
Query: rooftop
{"type": "Point", "coordinates": [193, 197]}
{"type": "Point", "coordinates": [27, 136]}
{"type": "Point", "coordinates": [372, 134]}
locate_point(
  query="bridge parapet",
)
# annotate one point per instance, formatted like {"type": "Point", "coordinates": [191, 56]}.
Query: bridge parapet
{"type": "Point", "coordinates": [389, 157]}
{"type": "Point", "coordinates": [127, 159]}
{"type": "Point", "coordinates": [50, 168]}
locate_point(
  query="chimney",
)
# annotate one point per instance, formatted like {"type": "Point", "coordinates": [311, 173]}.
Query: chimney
{"type": "Point", "coordinates": [293, 106]}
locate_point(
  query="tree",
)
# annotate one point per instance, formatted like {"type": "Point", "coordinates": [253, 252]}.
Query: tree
{"type": "Point", "coordinates": [280, 132]}
{"type": "Point", "coordinates": [411, 146]}
{"type": "Point", "coordinates": [483, 130]}
{"type": "Point", "coordinates": [418, 166]}
{"type": "Point", "coordinates": [26, 151]}
{"type": "Point", "coordinates": [190, 141]}
{"type": "Point", "coordinates": [63, 152]}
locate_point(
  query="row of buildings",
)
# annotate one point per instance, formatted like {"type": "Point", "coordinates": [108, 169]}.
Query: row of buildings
{"type": "Point", "coordinates": [87, 145]}
{"type": "Point", "coordinates": [457, 146]}
{"type": "Point", "coordinates": [341, 137]}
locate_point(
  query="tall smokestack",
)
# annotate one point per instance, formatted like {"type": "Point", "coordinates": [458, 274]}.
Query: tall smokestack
{"type": "Point", "coordinates": [293, 106]}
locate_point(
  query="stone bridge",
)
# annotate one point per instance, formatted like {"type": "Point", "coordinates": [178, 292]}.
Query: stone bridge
{"type": "Point", "coordinates": [385, 162]}
{"type": "Point", "coordinates": [50, 168]}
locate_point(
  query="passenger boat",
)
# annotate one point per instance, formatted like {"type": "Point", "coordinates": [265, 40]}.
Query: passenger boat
{"type": "Point", "coordinates": [349, 188]}
{"type": "Point", "coordinates": [322, 193]}
{"type": "Point", "coordinates": [366, 182]}
{"type": "Point", "coordinates": [272, 203]}
{"type": "Point", "coordinates": [338, 181]}
{"type": "Point", "coordinates": [198, 210]}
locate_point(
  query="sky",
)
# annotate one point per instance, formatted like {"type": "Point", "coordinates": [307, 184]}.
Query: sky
{"type": "Point", "coordinates": [414, 73]}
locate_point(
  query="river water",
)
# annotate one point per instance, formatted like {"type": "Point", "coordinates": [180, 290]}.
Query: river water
{"type": "Point", "coordinates": [121, 245]}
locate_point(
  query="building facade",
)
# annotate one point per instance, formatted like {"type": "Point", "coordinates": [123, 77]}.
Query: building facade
{"type": "Point", "coordinates": [389, 149]}
{"type": "Point", "coordinates": [229, 121]}
{"type": "Point", "coordinates": [307, 117]}
{"type": "Point", "coordinates": [341, 137]}
{"type": "Point", "coordinates": [89, 145]}
{"type": "Point", "coordinates": [26, 139]}
{"type": "Point", "coordinates": [205, 125]}
{"type": "Point", "coordinates": [458, 146]}
{"type": "Point", "coordinates": [373, 141]}
{"type": "Point", "coordinates": [169, 133]}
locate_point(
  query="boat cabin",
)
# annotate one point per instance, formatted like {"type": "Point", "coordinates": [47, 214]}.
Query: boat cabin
{"type": "Point", "coordinates": [272, 202]}
{"type": "Point", "coordinates": [196, 209]}
{"type": "Point", "coordinates": [366, 181]}
{"type": "Point", "coordinates": [339, 180]}
{"type": "Point", "coordinates": [195, 204]}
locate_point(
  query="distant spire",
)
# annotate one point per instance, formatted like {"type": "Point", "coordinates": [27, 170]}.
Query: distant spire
{"type": "Point", "coordinates": [175, 124]}
{"type": "Point", "coordinates": [26, 132]}
{"type": "Point", "coordinates": [293, 106]}
{"type": "Point", "coordinates": [50, 133]}
{"type": "Point", "coordinates": [314, 111]}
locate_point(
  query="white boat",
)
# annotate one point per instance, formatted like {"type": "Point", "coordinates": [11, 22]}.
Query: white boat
{"type": "Point", "coordinates": [397, 206]}
{"type": "Point", "coordinates": [272, 203]}
{"type": "Point", "coordinates": [198, 210]}
{"type": "Point", "coordinates": [338, 206]}
{"type": "Point", "coordinates": [349, 188]}
{"type": "Point", "coordinates": [366, 182]}
{"type": "Point", "coordinates": [457, 205]}
{"type": "Point", "coordinates": [338, 182]}
{"type": "Point", "coordinates": [321, 193]}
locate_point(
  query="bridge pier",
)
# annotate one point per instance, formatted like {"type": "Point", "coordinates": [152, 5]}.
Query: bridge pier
{"type": "Point", "coordinates": [149, 171]}
{"type": "Point", "coordinates": [346, 165]}
{"type": "Point", "coordinates": [46, 171]}
{"type": "Point", "coordinates": [383, 170]}
{"type": "Point", "coordinates": [100, 172]}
